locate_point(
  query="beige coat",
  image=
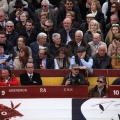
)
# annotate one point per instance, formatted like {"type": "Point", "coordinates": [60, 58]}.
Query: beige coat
{"type": "Point", "coordinates": [18, 65]}
{"type": "Point", "coordinates": [4, 5]}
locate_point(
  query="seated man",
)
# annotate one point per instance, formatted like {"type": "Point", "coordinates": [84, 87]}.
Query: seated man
{"type": "Point", "coordinates": [5, 60]}
{"type": "Point", "coordinates": [100, 90]}
{"type": "Point", "coordinates": [30, 77]}
{"type": "Point", "coordinates": [75, 78]}
{"type": "Point", "coordinates": [101, 60]}
{"type": "Point", "coordinates": [7, 78]}
{"type": "Point", "coordinates": [44, 60]}
{"type": "Point", "coordinates": [83, 60]}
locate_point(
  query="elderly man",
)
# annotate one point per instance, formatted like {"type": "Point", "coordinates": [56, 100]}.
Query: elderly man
{"type": "Point", "coordinates": [45, 8]}
{"type": "Point", "coordinates": [49, 30]}
{"type": "Point", "coordinates": [44, 60]}
{"type": "Point", "coordinates": [67, 33]}
{"type": "Point", "coordinates": [101, 60]}
{"type": "Point", "coordinates": [96, 43]}
{"type": "Point", "coordinates": [12, 35]}
{"type": "Point", "coordinates": [41, 42]}
{"type": "Point", "coordinates": [74, 77]}
{"type": "Point", "coordinates": [56, 45]}
{"type": "Point", "coordinates": [77, 42]}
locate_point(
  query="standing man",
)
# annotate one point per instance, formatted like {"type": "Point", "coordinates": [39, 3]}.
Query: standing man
{"type": "Point", "coordinates": [30, 77]}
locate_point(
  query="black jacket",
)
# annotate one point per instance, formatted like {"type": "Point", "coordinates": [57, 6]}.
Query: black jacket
{"type": "Point", "coordinates": [25, 80]}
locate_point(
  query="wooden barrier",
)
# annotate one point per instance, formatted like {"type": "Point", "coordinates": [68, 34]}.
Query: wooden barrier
{"type": "Point", "coordinates": [44, 92]}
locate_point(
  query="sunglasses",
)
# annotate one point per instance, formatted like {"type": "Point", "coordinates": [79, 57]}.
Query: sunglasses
{"type": "Point", "coordinates": [47, 26]}
{"type": "Point", "coordinates": [99, 81]}
{"type": "Point", "coordinates": [19, 6]}
{"type": "Point", "coordinates": [76, 69]}
{"type": "Point", "coordinates": [9, 26]}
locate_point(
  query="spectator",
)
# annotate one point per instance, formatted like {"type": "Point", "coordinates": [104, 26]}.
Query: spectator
{"type": "Point", "coordinates": [71, 15]}
{"type": "Point", "coordinates": [74, 77]}
{"type": "Point", "coordinates": [56, 45]}
{"type": "Point", "coordinates": [84, 25]}
{"type": "Point", "coordinates": [113, 30]}
{"type": "Point", "coordinates": [42, 19]}
{"type": "Point", "coordinates": [49, 30]}
{"type": "Point", "coordinates": [101, 60]}
{"type": "Point", "coordinates": [21, 60]}
{"type": "Point", "coordinates": [3, 20]}
{"type": "Point", "coordinates": [12, 35]}
{"type": "Point", "coordinates": [95, 9]}
{"type": "Point", "coordinates": [45, 8]}
{"type": "Point", "coordinates": [12, 3]}
{"type": "Point", "coordinates": [116, 82]}
{"type": "Point", "coordinates": [69, 6]}
{"type": "Point", "coordinates": [113, 46]}
{"type": "Point", "coordinates": [19, 5]}
{"type": "Point", "coordinates": [5, 60]}
{"type": "Point", "coordinates": [9, 51]}
{"type": "Point", "coordinates": [116, 59]}
{"type": "Point", "coordinates": [77, 42]}
{"type": "Point", "coordinates": [94, 27]}
{"type": "Point", "coordinates": [30, 77]}
{"type": "Point", "coordinates": [20, 26]}
{"type": "Point", "coordinates": [82, 59]}
{"type": "Point", "coordinates": [67, 33]}
{"type": "Point", "coordinates": [113, 20]}
{"type": "Point", "coordinates": [41, 42]}
{"type": "Point", "coordinates": [100, 90]}
{"type": "Point", "coordinates": [43, 60]}
{"type": "Point", "coordinates": [7, 78]}
{"type": "Point", "coordinates": [4, 5]}
{"type": "Point", "coordinates": [63, 59]}
{"type": "Point", "coordinates": [114, 9]}
{"type": "Point", "coordinates": [21, 43]}
{"type": "Point", "coordinates": [96, 43]}
{"type": "Point", "coordinates": [30, 32]}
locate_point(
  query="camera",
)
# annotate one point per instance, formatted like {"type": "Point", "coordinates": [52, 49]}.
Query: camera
{"type": "Point", "coordinates": [73, 81]}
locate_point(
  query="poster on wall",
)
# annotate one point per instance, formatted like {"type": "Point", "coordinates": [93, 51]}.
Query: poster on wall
{"type": "Point", "coordinates": [96, 109]}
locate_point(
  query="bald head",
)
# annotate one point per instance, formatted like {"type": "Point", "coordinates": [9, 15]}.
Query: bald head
{"type": "Point", "coordinates": [67, 23]}
{"type": "Point", "coordinates": [102, 50]}
{"type": "Point", "coordinates": [96, 38]}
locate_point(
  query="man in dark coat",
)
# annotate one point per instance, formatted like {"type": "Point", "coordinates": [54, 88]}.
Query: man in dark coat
{"type": "Point", "coordinates": [101, 60]}
{"type": "Point", "coordinates": [74, 77]}
{"type": "Point", "coordinates": [30, 77]}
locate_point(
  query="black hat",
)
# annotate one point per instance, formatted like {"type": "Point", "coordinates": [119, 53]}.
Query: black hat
{"type": "Point", "coordinates": [18, 3]}
{"type": "Point", "coordinates": [4, 46]}
{"type": "Point", "coordinates": [81, 49]}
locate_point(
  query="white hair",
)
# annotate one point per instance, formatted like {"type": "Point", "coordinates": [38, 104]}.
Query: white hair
{"type": "Point", "coordinates": [79, 31]}
{"type": "Point", "coordinates": [47, 1]}
{"type": "Point", "coordinates": [40, 35]}
{"type": "Point", "coordinates": [54, 35]}
{"type": "Point", "coordinates": [9, 22]}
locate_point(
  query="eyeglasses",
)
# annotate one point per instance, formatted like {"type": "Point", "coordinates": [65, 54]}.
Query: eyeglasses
{"type": "Point", "coordinates": [20, 41]}
{"type": "Point", "coordinates": [113, 25]}
{"type": "Point", "coordinates": [9, 26]}
{"type": "Point", "coordinates": [2, 37]}
{"type": "Point", "coordinates": [47, 26]}
{"type": "Point", "coordinates": [100, 81]}
{"type": "Point", "coordinates": [113, 6]}
{"type": "Point", "coordinates": [76, 69]}
{"type": "Point", "coordinates": [43, 5]}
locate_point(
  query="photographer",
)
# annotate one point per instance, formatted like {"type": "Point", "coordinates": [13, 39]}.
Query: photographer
{"type": "Point", "coordinates": [74, 77]}
{"type": "Point", "coordinates": [5, 60]}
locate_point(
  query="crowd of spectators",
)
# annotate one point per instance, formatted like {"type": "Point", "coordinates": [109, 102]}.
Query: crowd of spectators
{"type": "Point", "coordinates": [56, 34]}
